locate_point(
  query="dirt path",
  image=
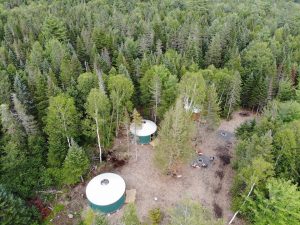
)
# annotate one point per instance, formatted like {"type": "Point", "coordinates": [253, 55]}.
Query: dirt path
{"type": "Point", "coordinates": [210, 185]}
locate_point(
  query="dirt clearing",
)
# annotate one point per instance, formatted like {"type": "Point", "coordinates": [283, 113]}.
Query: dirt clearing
{"type": "Point", "coordinates": [210, 185]}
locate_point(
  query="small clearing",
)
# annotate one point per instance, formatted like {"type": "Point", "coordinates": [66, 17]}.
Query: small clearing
{"type": "Point", "coordinates": [211, 185]}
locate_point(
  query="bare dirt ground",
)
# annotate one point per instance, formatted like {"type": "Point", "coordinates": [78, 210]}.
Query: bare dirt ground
{"type": "Point", "coordinates": [210, 186]}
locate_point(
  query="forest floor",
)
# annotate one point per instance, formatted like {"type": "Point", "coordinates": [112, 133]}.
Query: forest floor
{"type": "Point", "coordinates": [210, 186]}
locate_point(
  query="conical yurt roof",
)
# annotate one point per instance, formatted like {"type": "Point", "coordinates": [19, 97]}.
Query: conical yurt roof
{"type": "Point", "coordinates": [105, 189]}
{"type": "Point", "coordinates": [145, 129]}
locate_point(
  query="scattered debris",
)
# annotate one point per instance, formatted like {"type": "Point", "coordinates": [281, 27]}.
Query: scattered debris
{"type": "Point", "coordinates": [70, 216]}
{"type": "Point", "coordinates": [202, 161]}
{"type": "Point", "coordinates": [225, 135]}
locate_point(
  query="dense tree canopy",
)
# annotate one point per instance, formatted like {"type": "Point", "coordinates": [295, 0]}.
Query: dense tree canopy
{"type": "Point", "coordinates": [73, 69]}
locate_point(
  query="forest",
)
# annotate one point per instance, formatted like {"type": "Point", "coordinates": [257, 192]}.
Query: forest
{"type": "Point", "coordinates": [75, 73]}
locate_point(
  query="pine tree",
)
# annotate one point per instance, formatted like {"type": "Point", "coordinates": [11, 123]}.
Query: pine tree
{"type": "Point", "coordinates": [233, 99]}
{"type": "Point", "coordinates": [190, 212]}
{"type": "Point", "coordinates": [130, 215]}
{"type": "Point", "coordinates": [137, 122]}
{"type": "Point", "coordinates": [211, 107]}
{"type": "Point", "coordinates": [36, 55]}
{"type": "Point", "coordinates": [214, 53]}
{"type": "Point", "coordinates": [75, 164]}
{"type": "Point", "coordinates": [53, 28]}
{"type": "Point", "coordinates": [55, 53]}
{"type": "Point", "coordinates": [5, 88]}
{"type": "Point", "coordinates": [155, 89]}
{"type": "Point", "coordinates": [175, 136]}
{"type": "Point", "coordinates": [168, 89]}
{"type": "Point", "coordinates": [286, 91]}
{"type": "Point", "coordinates": [23, 94]}
{"type": "Point", "coordinates": [14, 210]}
{"type": "Point", "coordinates": [28, 121]}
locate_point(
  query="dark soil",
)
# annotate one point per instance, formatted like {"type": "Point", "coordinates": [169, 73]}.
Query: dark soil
{"type": "Point", "coordinates": [218, 210]}
{"type": "Point", "coordinates": [225, 158]}
{"type": "Point", "coordinates": [218, 188]}
{"type": "Point", "coordinates": [220, 174]}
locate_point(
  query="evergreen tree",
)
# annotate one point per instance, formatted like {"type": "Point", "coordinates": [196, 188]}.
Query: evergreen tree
{"type": "Point", "coordinates": [53, 28]}
{"type": "Point", "coordinates": [75, 164]}
{"type": "Point", "coordinates": [286, 91]}
{"type": "Point", "coordinates": [191, 213]}
{"type": "Point", "coordinates": [5, 88]}
{"type": "Point", "coordinates": [101, 220]}
{"type": "Point", "coordinates": [130, 215]}
{"type": "Point", "coordinates": [137, 122]}
{"type": "Point", "coordinates": [23, 94]}
{"type": "Point", "coordinates": [14, 210]}
{"type": "Point", "coordinates": [55, 53]}
{"type": "Point", "coordinates": [168, 88]}
{"type": "Point", "coordinates": [36, 55]}
{"type": "Point", "coordinates": [233, 98]}
{"type": "Point", "coordinates": [175, 135]}
{"type": "Point", "coordinates": [155, 89]}
{"type": "Point", "coordinates": [27, 121]}
{"type": "Point", "coordinates": [214, 53]}
{"type": "Point", "coordinates": [279, 204]}
{"type": "Point", "coordinates": [211, 107]}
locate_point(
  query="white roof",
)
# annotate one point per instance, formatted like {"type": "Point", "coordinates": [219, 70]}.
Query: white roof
{"type": "Point", "coordinates": [105, 189]}
{"type": "Point", "coordinates": [147, 128]}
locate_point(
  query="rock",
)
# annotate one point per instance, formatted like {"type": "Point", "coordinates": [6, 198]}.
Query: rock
{"type": "Point", "coordinates": [70, 216]}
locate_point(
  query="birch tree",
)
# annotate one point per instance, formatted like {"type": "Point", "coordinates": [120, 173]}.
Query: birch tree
{"type": "Point", "coordinates": [121, 90]}
{"type": "Point", "coordinates": [98, 109]}
{"type": "Point", "coordinates": [192, 88]}
{"type": "Point", "coordinates": [61, 125]}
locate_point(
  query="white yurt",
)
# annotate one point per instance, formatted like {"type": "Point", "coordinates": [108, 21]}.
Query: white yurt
{"type": "Point", "coordinates": [106, 192]}
{"type": "Point", "coordinates": [144, 131]}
